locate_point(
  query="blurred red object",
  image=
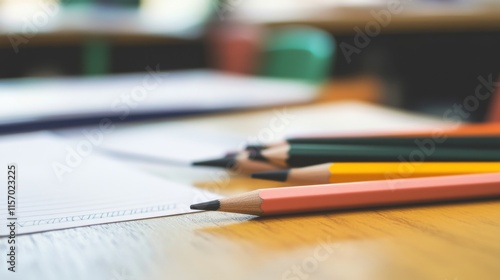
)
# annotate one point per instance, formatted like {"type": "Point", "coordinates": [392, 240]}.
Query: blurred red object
{"type": "Point", "coordinates": [235, 47]}
{"type": "Point", "coordinates": [494, 111]}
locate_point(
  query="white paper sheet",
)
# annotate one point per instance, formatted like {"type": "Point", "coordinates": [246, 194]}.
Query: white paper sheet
{"type": "Point", "coordinates": [125, 95]}
{"type": "Point", "coordinates": [183, 141]}
{"type": "Point", "coordinates": [97, 189]}
{"type": "Point", "coordinates": [175, 143]}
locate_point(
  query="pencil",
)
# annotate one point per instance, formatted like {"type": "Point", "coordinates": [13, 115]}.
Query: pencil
{"type": "Point", "coordinates": [486, 142]}
{"type": "Point", "coordinates": [341, 172]}
{"type": "Point", "coordinates": [276, 201]}
{"type": "Point", "coordinates": [300, 155]}
{"type": "Point", "coordinates": [239, 163]}
{"type": "Point", "coordinates": [478, 130]}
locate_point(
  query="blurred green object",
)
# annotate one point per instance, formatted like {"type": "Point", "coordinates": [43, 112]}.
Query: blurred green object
{"type": "Point", "coordinates": [118, 3]}
{"type": "Point", "coordinates": [96, 52]}
{"type": "Point", "coordinates": [96, 57]}
{"type": "Point", "coordinates": [301, 53]}
{"type": "Point", "coordinates": [77, 2]}
{"type": "Point", "coordinates": [129, 3]}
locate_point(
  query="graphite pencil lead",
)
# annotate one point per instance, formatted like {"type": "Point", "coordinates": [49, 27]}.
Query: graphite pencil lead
{"type": "Point", "coordinates": [255, 147]}
{"type": "Point", "coordinates": [213, 205]}
{"type": "Point", "coordinates": [256, 155]}
{"type": "Point", "coordinates": [227, 162]}
{"type": "Point", "coordinates": [278, 175]}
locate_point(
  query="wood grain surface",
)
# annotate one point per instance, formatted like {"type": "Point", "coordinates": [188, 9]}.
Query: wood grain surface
{"type": "Point", "coordinates": [448, 241]}
{"type": "Point", "coordinates": [392, 16]}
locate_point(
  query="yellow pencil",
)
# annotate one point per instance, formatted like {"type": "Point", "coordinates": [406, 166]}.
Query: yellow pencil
{"type": "Point", "coordinates": [367, 171]}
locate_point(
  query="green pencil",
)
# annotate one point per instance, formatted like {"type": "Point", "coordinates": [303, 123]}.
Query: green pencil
{"type": "Point", "coordinates": [474, 142]}
{"type": "Point", "coordinates": [299, 155]}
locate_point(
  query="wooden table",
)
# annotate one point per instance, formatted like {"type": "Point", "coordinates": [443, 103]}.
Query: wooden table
{"type": "Point", "coordinates": [444, 242]}
{"type": "Point", "coordinates": [74, 26]}
{"type": "Point", "coordinates": [390, 16]}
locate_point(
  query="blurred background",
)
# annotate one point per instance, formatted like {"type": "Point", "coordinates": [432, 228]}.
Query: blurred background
{"type": "Point", "coordinates": [421, 55]}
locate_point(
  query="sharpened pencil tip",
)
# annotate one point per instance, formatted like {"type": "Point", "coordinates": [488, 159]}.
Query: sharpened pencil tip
{"type": "Point", "coordinates": [227, 162]}
{"type": "Point", "coordinates": [277, 175]}
{"type": "Point", "coordinates": [256, 155]}
{"type": "Point", "coordinates": [255, 147]}
{"type": "Point", "coordinates": [209, 205]}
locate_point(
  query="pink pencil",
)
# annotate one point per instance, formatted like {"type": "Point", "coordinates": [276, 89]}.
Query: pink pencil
{"type": "Point", "coordinates": [276, 201]}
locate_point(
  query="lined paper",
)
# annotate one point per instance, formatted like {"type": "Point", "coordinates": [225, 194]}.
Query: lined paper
{"type": "Point", "coordinates": [97, 190]}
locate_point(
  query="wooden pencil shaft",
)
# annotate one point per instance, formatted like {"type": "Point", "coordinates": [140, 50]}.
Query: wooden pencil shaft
{"type": "Point", "coordinates": [425, 167]}
{"type": "Point", "coordinates": [247, 166]}
{"type": "Point", "coordinates": [476, 130]}
{"type": "Point", "coordinates": [487, 142]}
{"type": "Point", "coordinates": [342, 172]}
{"type": "Point", "coordinates": [485, 129]}
{"type": "Point", "coordinates": [305, 154]}
{"type": "Point", "coordinates": [377, 193]}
